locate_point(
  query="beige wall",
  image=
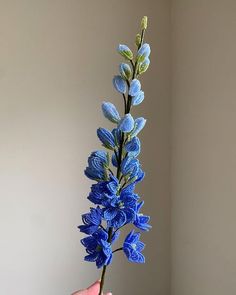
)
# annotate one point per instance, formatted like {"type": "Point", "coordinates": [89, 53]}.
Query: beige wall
{"type": "Point", "coordinates": [203, 147]}
{"type": "Point", "coordinates": [57, 59]}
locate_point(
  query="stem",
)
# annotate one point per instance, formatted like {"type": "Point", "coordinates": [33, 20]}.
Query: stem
{"type": "Point", "coordinates": [119, 249]}
{"type": "Point", "coordinates": [110, 234]}
{"type": "Point", "coordinates": [102, 279]}
{"type": "Point", "coordinates": [127, 107]}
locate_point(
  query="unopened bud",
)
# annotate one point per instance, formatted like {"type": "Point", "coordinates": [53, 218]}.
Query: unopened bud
{"type": "Point", "coordinates": [144, 23]}
{"type": "Point", "coordinates": [138, 40]}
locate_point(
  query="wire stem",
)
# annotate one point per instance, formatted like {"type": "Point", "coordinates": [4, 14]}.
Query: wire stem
{"type": "Point", "coordinates": [127, 108]}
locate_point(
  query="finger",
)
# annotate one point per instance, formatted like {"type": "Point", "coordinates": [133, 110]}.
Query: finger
{"type": "Point", "coordinates": [94, 289]}
{"type": "Point", "coordinates": [109, 293]}
{"type": "Point", "coordinates": [82, 292]}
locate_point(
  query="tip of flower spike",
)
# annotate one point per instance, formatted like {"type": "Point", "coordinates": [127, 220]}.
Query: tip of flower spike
{"type": "Point", "coordinates": [144, 23]}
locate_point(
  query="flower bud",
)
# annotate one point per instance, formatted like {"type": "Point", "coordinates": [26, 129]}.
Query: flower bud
{"type": "Point", "coordinates": [135, 87]}
{"type": "Point", "coordinates": [126, 124]}
{"type": "Point", "coordinates": [110, 112]}
{"type": "Point", "coordinates": [125, 51]}
{"type": "Point", "coordinates": [119, 84]}
{"type": "Point", "coordinates": [143, 52]}
{"type": "Point", "coordinates": [139, 123]}
{"type": "Point", "coordinates": [138, 40]}
{"type": "Point", "coordinates": [144, 23]}
{"type": "Point", "coordinates": [136, 100]}
{"type": "Point", "coordinates": [106, 137]}
{"type": "Point", "coordinates": [133, 146]}
{"type": "Point", "coordinates": [125, 71]}
{"type": "Point", "coordinates": [144, 66]}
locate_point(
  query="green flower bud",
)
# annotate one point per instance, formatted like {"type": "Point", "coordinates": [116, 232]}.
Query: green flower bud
{"type": "Point", "coordinates": [144, 23]}
{"type": "Point", "coordinates": [138, 40]}
{"type": "Point", "coordinates": [125, 71]}
{"type": "Point", "coordinates": [125, 51]}
{"type": "Point", "coordinates": [143, 66]}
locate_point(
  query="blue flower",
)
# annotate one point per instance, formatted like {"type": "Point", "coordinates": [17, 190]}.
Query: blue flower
{"type": "Point", "coordinates": [106, 138]}
{"type": "Point", "coordinates": [130, 167]}
{"type": "Point", "coordinates": [135, 87]}
{"type": "Point", "coordinates": [98, 248]}
{"type": "Point", "coordinates": [97, 165]}
{"type": "Point", "coordinates": [126, 124]}
{"type": "Point", "coordinates": [132, 248]}
{"type": "Point", "coordinates": [136, 100]}
{"type": "Point", "coordinates": [91, 221]}
{"type": "Point", "coordinates": [119, 84]}
{"type": "Point", "coordinates": [139, 123]}
{"type": "Point", "coordinates": [125, 51]}
{"type": "Point", "coordinates": [110, 112]}
{"type": "Point", "coordinates": [125, 71]}
{"type": "Point", "coordinates": [143, 52]}
{"type": "Point", "coordinates": [133, 147]}
{"type": "Point", "coordinates": [140, 175]}
{"type": "Point", "coordinates": [103, 191]}
{"type": "Point", "coordinates": [121, 210]}
{"type": "Point", "coordinates": [141, 221]}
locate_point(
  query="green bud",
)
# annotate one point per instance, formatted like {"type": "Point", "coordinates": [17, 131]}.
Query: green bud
{"type": "Point", "coordinates": [144, 23]}
{"type": "Point", "coordinates": [138, 40]}
{"type": "Point", "coordinates": [143, 66]}
{"type": "Point", "coordinates": [125, 51]}
{"type": "Point", "coordinates": [125, 71]}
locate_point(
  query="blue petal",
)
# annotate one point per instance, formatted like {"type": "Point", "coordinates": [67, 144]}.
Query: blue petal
{"type": "Point", "coordinates": [91, 257]}
{"type": "Point", "coordinates": [110, 213]}
{"type": "Point", "coordinates": [136, 100]}
{"type": "Point", "coordinates": [106, 138]}
{"type": "Point", "coordinates": [133, 146]}
{"type": "Point", "coordinates": [101, 235]}
{"type": "Point", "coordinates": [110, 112]}
{"type": "Point", "coordinates": [139, 123]}
{"type": "Point", "coordinates": [88, 229]}
{"type": "Point", "coordinates": [119, 220]}
{"type": "Point", "coordinates": [144, 51]}
{"type": "Point", "coordinates": [135, 87]}
{"type": "Point", "coordinates": [119, 84]}
{"type": "Point", "coordinates": [126, 124]}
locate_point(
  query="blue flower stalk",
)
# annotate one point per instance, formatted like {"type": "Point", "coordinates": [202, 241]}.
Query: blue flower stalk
{"type": "Point", "coordinates": [117, 170]}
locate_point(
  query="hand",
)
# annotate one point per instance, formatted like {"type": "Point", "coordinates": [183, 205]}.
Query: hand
{"type": "Point", "coordinates": [92, 290]}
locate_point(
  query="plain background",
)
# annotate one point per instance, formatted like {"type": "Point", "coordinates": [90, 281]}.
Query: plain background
{"type": "Point", "coordinates": [57, 59]}
{"type": "Point", "coordinates": [203, 147]}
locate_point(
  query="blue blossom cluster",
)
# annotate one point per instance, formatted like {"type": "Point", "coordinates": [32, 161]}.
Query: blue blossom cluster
{"type": "Point", "coordinates": [116, 169]}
